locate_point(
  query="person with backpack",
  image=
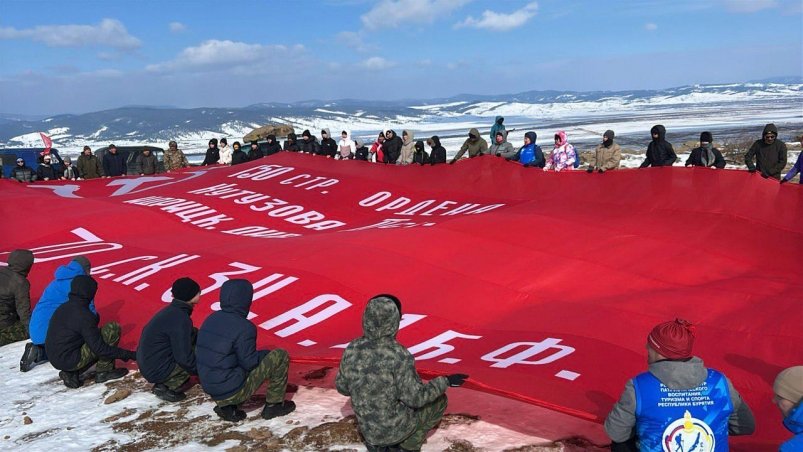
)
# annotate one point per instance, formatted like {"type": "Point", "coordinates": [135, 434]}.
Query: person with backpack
{"type": "Point", "coordinates": [437, 153]}
{"type": "Point", "coordinates": [530, 154]}
{"type": "Point", "coordinates": [606, 156]}
{"type": "Point", "coordinates": [563, 155]}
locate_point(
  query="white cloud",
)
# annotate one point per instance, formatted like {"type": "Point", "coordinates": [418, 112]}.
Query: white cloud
{"type": "Point", "coordinates": [108, 33]}
{"type": "Point", "coordinates": [355, 41]}
{"type": "Point", "coordinates": [393, 13]}
{"type": "Point", "coordinates": [426, 62]}
{"type": "Point", "coordinates": [225, 55]}
{"type": "Point", "coordinates": [176, 27]}
{"type": "Point", "coordinates": [492, 20]}
{"type": "Point", "coordinates": [749, 6]}
{"type": "Point", "coordinates": [650, 26]}
{"type": "Point", "coordinates": [377, 64]}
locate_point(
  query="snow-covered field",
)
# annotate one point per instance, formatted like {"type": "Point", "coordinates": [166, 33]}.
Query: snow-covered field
{"type": "Point", "coordinates": [37, 413]}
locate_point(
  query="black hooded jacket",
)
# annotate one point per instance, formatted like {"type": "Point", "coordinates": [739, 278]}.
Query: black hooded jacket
{"type": "Point", "coordinates": [420, 156]}
{"type": "Point", "coordinates": [770, 159]}
{"type": "Point", "coordinates": [73, 325]}
{"type": "Point", "coordinates": [392, 148]}
{"type": "Point", "coordinates": [437, 154]}
{"type": "Point", "coordinates": [166, 342]}
{"type": "Point", "coordinates": [310, 146]}
{"type": "Point", "coordinates": [15, 296]}
{"type": "Point", "coordinates": [659, 151]}
{"type": "Point", "coordinates": [292, 143]}
{"type": "Point", "coordinates": [238, 156]}
{"type": "Point", "coordinates": [273, 146]}
{"type": "Point", "coordinates": [212, 156]}
{"type": "Point", "coordinates": [254, 154]}
{"type": "Point", "coordinates": [328, 147]}
{"type": "Point", "coordinates": [226, 349]}
{"type": "Point", "coordinates": [696, 158]}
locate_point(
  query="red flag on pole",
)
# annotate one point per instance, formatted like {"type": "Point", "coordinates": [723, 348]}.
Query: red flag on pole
{"type": "Point", "coordinates": [47, 142]}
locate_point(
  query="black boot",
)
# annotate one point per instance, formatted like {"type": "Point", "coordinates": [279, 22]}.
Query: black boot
{"type": "Point", "coordinates": [167, 394]}
{"type": "Point", "coordinates": [273, 410]}
{"type": "Point", "coordinates": [113, 374]}
{"type": "Point", "coordinates": [33, 355]}
{"type": "Point", "coordinates": [230, 413]}
{"type": "Point", "coordinates": [70, 379]}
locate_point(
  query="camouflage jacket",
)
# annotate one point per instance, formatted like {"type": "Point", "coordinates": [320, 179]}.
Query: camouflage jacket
{"type": "Point", "coordinates": [175, 160]}
{"type": "Point", "coordinates": [379, 374]}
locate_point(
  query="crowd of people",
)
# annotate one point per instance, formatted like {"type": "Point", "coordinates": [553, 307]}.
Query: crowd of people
{"type": "Point", "coordinates": [395, 409]}
{"type": "Point", "coordinates": [767, 156]}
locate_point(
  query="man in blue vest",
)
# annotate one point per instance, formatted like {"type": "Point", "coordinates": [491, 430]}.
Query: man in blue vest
{"type": "Point", "coordinates": [678, 404]}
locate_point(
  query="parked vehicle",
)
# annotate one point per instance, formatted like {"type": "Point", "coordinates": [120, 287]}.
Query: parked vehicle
{"type": "Point", "coordinates": [32, 157]}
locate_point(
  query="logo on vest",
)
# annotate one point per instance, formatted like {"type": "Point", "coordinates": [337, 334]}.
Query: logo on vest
{"type": "Point", "coordinates": [688, 434]}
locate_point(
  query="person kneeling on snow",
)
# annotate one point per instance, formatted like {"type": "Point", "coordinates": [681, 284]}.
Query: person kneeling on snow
{"type": "Point", "coordinates": [74, 342]}
{"type": "Point", "coordinates": [55, 295]}
{"type": "Point", "coordinates": [166, 351]}
{"type": "Point", "coordinates": [394, 409]}
{"type": "Point", "coordinates": [641, 416]}
{"type": "Point", "coordinates": [788, 389]}
{"type": "Point", "coordinates": [230, 367]}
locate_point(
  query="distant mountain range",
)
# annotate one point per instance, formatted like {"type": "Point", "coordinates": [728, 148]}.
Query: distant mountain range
{"type": "Point", "coordinates": [137, 124]}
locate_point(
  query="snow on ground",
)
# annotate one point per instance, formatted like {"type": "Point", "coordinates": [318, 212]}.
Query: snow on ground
{"type": "Point", "coordinates": [37, 413]}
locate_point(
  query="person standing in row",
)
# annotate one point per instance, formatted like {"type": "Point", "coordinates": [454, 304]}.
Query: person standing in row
{"type": "Point", "coordinates": [474, 144]}
{"type": "Point", "coordinates": [392, 147]}
{"type": "Point", "coordinates": [346, 148]}
{"type": "Point", "coordinates": [797, 168]}
{"type": "Point", "coordinates": [225, 152]}
{"type": "Point", "coordinates": [530, 154]}
{"type": "Point", "coordinates": [607, 155]}
{"type": "Point", "coordinates": [767, 155]}
{"type": "Point", "coordinates": [437, 153]}
{"type": "Point", "coordinates": [563, 154]}
{"type": "Point", "coordinates": [237, 154]}
{"type": "Point", "coordinates": [175, 158]}
{"type": "Point", "coordinates": [408, 147]}
{"type": "Point", "coordinates": [114, 164]}
{"type": "Point", "coordinates": [706, 154]}
{"type": "Point", "coordinates": [212, 156]}
{"type": "Point", "coordinates": [659, 151]}
{"type": "Point", "coordinates": [88, 165]}
{"type": "Point", "coordinates": [328, 144]}
{"type": "Point", "coordinates": [147, 162]}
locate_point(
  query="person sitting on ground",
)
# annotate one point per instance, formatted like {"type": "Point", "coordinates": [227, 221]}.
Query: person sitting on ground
{"type": "Point", "coordinates": [55, 295]}
{"type": "Point", "coordinates": [45, 170]}
{"type": "Point", "coordinates": [377, 154]}
{"type": "Point", "coordinates": [15, 297]}
{"type": "Point", "coordinates": [392, 147]}
{"type": "Point", "coordinates": [563, 154]}
{"type": "Point", "coordinates": [640, 416]}
{"type": "Point", "coordinates": [309, 143]}
{"type": "Point", "coordinates": [475, 146]}
{"type": "Point", "coordinates": [147, 162]}
{"type": "Point", "coordinates": [496, 128]}
{"type": "Point", "coordinates": [530, 154]}
{"type": "Point", "coordinates": [175, 158]}
{"type": "Point", "coordinates": [501, 147]}
{"type": "Point", "coordinates": [797, 168]}
{"type": "Point", "coordinates": [273, 145]}
{"type": "Point", "coordinates": [89, 165]}
{"type": "Point", "coordinates": [237, 154]}
{"type": "Point", "coordinates": [230, 367]}
{"type": "Point", "coordinates": [706, 155]}
{"type": "Point", "coordinates": [394, 408]}
{"type": "Point", "coordinates": [255, 152]}
{"type": "Point", "coordinates": [362, 150]}
{"type": "Point", "coordinates": [212, 156]}
{"type": "Point", "coordinates": [23, 172]}
{"type": "Point", "coordinates": [420, 156]}
{"type": "Point", "coordinates": [659, 151]}
{"type": "Point", "coordinates": [114, 164]}
{"type": "Point", "coordinates": [225, 152]}
{"type": "Point", "coordinates": [74, 342]}
{"type": "Point", "coordinates": [166, 350]}
{"type": "Point", "coordinates": [408, 148]}
{"type": "Point", "coordinates": [346, 148]}
{"type": "Point", "coordinates": [788, 389]}
{"type": "Point", "coordinates": [768, 153]}
{"type": "Point", "coordinates": [607, 155]}
{"type": "Point", "coordinates": [328, 145]}
{"type": "Point", "coordinates": [437, 153]}
{"type": "Point", "coordinates": [292, 143]}
{"type": "Point", "coordinates": [70, 172]}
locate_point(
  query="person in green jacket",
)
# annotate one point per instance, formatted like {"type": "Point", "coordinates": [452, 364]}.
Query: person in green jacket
{"type": "Point", "coordinates": [475, 146]}
{"type": "Point", "coordinates": [394, 408]}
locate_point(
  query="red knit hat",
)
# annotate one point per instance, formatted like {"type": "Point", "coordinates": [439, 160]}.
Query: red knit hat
{"type": "Point", "coordinates": [673, 340]}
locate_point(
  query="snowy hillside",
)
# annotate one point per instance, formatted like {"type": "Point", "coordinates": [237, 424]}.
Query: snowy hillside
{"type": "Point", "coordinates": [728, 108]}
{"type": "Point", "coordinates": [37, 413]}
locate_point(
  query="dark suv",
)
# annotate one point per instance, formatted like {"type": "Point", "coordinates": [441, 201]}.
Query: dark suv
{"type": "Point", "coordinates": [32, 158]}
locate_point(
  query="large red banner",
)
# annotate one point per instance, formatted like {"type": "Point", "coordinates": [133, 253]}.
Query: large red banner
{"type": "Point", "coordinates": [541, 286]}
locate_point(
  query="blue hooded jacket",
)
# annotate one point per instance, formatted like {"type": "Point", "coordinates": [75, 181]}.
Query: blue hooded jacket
{"type": "Point", "coordinates": [226, 348]}
{"type": "Point", "coordinates": [794, 422]}
{"type": "Point", "coordinates": [55, 294]}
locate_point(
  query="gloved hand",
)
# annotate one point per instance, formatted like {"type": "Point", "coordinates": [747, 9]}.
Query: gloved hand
{"type": "Point", "coordinates": [751, 170]}
{"type": "Point", "coordinates": [526, 165]}
{"type": "Point", "coordinates": [456, 380]}
{"type": "Point", "coordinates": [601, 170]}
{"type": "Point", "coordinates": [783, 181]}
{"type": "Point", "coordinates": [498, 154]}
{"type": "Point", "coordinates": [130, 355]}
{"type": "Point", "coordinates": [764, 175]}
{"type": "Point", "coordinates": [590, 169]}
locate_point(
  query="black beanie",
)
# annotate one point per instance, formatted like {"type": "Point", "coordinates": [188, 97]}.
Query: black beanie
{"type": "Point", "coordinates": [185, 289]}
{"type": "Point", "coordinates": [706, 137]}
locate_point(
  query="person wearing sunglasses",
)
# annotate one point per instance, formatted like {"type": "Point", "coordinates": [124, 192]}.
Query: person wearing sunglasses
{"type": "Point", "coordinates": [23, 172]}
{"type": "Point", "coordinates": [768, 155]}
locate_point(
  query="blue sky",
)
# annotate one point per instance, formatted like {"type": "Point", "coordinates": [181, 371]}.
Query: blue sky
{"type": "Point", "coordinates": [87, 55]}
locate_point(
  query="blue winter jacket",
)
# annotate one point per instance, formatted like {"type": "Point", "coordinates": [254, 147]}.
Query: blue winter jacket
{"type": "Point", "coordinates": [794, 422]}
{"type": "Point", "coordinates": [55, 295]}
{"type": "Point", "coordinates": [226, 348]}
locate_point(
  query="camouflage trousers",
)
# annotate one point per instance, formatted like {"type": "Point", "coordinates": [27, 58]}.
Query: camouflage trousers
{"type": "Point", "coordinates": [110, 333]}
{"type": "Point", "coordinates": [272, 368]}
{"type": "Point", "coordinates": [428, 417]}
{"type": "Point", "coordinates": [178, 376]}
{"type": "Point", "coordinates": [13, 333]}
